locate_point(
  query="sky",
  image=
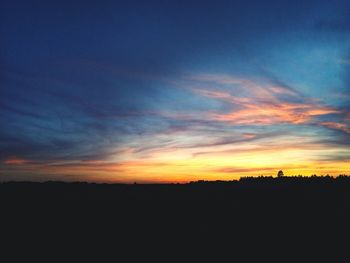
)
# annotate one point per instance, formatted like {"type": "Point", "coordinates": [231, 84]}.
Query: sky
{"type": "Point", "coordinates": [173, 91]}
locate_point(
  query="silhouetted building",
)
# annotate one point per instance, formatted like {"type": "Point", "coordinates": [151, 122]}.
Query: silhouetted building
{"type": "Point", "coordinates": [280, 173]}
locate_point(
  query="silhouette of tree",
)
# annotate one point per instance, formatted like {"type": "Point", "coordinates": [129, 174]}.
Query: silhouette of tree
{"type": "Point", "coordinates": [280, 173]}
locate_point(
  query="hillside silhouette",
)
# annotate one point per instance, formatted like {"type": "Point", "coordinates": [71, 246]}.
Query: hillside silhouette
{"type": "Point", "coordinates": [264, 215]}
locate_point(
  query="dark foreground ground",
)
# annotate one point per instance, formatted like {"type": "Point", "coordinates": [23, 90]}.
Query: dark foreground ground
{"type": "Point", "coordinates": [294, 219]}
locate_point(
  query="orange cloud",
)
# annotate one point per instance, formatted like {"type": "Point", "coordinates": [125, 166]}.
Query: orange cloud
{"type": "Point", "coordinates": [262, 105]}
{"type": "Point", "coordinates": [16, 161]}
{"type": "Point", "coordinates": [248, 135]}
{"type": "Point", "coordinates": [273, 114]}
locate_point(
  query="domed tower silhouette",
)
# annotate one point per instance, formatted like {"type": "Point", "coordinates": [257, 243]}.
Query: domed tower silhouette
{"type": "Point", "coordinates": [280, 173]}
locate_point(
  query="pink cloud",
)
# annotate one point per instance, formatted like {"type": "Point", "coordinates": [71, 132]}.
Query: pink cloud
{"type": "Point", "coordinates": [262, 104]}
{"type": "Point", "coordinates": [338, 126]}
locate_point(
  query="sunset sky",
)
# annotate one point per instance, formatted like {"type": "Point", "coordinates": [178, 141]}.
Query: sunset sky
{"type": "Point", "coordinates": [173, 91]}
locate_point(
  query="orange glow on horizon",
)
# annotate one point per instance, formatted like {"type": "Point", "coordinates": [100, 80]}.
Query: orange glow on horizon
{"type": "Point", "coordinates": [222, 162]}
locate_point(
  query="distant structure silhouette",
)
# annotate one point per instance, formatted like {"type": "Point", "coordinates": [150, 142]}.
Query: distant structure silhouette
{"type": "Point", "coordinates": [280, 173]}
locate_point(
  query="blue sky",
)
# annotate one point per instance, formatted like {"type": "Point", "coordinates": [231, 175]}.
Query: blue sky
{"type": "Point", "coordinates": [169, 90]}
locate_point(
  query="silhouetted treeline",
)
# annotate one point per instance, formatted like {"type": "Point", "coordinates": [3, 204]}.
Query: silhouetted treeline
{"type": "Point", "coordinates": [295, 178]}
{"type": "Point", "coordinates": [198, 190]}
{"type": "Point", "coordinates": [298, 178]}
{"type": "Point", "coordinates": [255, 219]}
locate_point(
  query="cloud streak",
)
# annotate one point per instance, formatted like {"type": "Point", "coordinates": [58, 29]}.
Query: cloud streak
{"type": "Point", "coordinates": [264, 104]}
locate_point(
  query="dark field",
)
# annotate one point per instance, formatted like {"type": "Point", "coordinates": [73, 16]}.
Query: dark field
{"type": "Point", "coordinates": [251, 219]}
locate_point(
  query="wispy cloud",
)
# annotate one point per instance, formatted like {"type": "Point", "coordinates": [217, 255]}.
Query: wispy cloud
{"type": "Point", "coordinates": [264, 104]}
{"type": "Point", "coordinates": [337, 126]}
